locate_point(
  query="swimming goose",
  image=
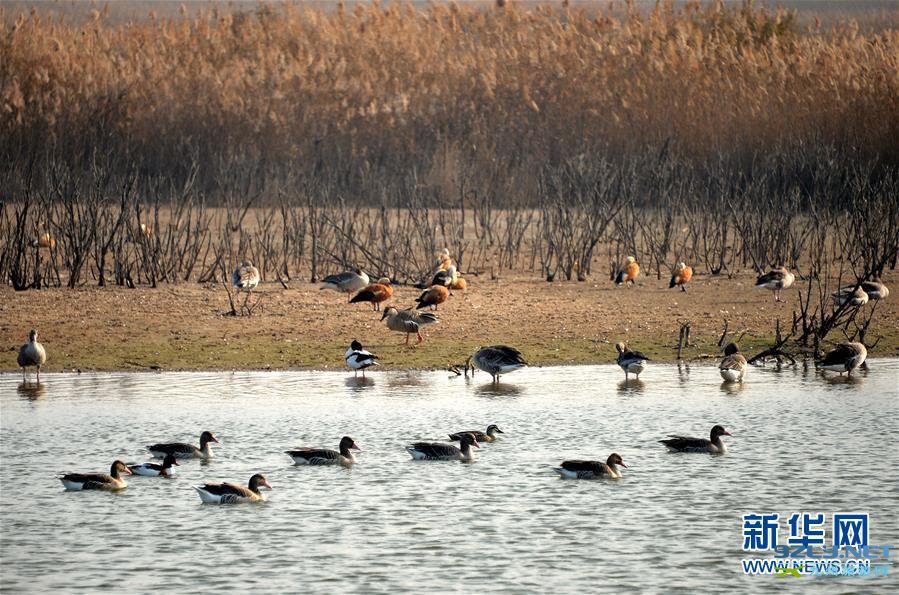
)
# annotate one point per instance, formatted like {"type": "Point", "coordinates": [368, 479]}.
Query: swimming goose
{"type": "Point", "coordinates": [686, 444]}
{"type": "Point", "coordinates": [875, 289]}
{"type": "Point", "coordinates": [439, 451]}
{"type": "Point", "coordinates": [32, 353]}
{"type": "Point", "coordinates": [682, 275]}
{"type": "Point", "coordinates": [407, 321]}
{"type": "Point", "coordinates": [776, 280]}
{"type": "Point", "coordinates": [488, 436]}
{"type": "Point", "coordinates": [845, 357]}
{"type": "Point", "coordinates": [347, 282]}
{"type": "Point", "coordinates": [496, 360]}
{"type": "Point", "coordinates": [632, 362]}
{"type": "Point", "coordinates": [375, 293]}
{"type": "Point", "coordinates": [733, 367]}
{"type": "Point", "coordinates": [629, 272]}
{"type": "Point", "coordinates": [155, 469]}
{"type": "Point", "coordinates": [591, 469]}
{"type": "Point", "coordinates": [97, 481]}
{"type": "Point", "coordinates": [228, 493]}
{"type": "Point", "coordinates": [186, 451]}
{"type": "Point", "coordinates": [359, 359]}
{"type": "Point", "coordinates": [445, 277]}
{"type": "Point", "coordinates": [432, 296]}
{"type": "Point", "coordinates": [324, 456]}
{"type": "Point", "coordinates": [854, 296]}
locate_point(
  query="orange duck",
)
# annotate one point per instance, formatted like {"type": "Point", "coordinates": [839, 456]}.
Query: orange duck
{"type": "Point", "coordinates": [375, 293]}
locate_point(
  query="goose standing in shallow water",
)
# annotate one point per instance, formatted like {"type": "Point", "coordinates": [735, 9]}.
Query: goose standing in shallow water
{"type": "Point", "coordinates": [97, 481]}
{"type": "Point", "coordinates": [182, 450]}
{"type": "Point", "coordinates": [407, 321]}
{"type": "Point", "coordinates": [845, 357]}
{"type": "Point", "coordinates": [854, 296]}
{"type": "Point", "coordinates": [776, 280]}
{"type": "Point", "coordinates": [875, 289]}
{"type": "Point", "coordinates": [229, 493]}
{"type": "Point", "coordinates": [323, 456]}
{"type": "Point", "coordinates": [592, 469]}
{"type": "Point", "coordinates": [347, 282]}
{"type": "Point", "coordinates": [155, 469]}
{"type": "Point", "coordinates": [438, 451]}
{"type": "Point", "coordinates": [358, 358]}
{"type": "Point", "coordinates": [632, 362]}
{"type": "Point", "coordinates": [733, 367]}
{"type": "Point", "coordinates": [496, 360]}
{"type": "Point", "coordinates": [31, 353]}
{"type": "Point", "coordinates": [488, 436]}
{"type": "Point", "coordinates": [687, 444]}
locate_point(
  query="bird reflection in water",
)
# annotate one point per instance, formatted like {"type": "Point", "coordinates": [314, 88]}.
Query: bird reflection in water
{"type": "Point", "coordinates": [31, 390]}
{"type": "Point", "coordinates": [631, 386]}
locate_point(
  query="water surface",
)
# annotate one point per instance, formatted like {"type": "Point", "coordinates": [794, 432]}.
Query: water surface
{"type": "Point", "coordinates": [505, 523]}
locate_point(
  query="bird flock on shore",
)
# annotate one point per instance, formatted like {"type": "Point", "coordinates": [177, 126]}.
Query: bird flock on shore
{"type": "Point", "coordinates": [495, 360]}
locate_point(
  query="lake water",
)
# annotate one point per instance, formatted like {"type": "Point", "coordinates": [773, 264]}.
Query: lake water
{"type": "Point", "coordinates": [505, 523]}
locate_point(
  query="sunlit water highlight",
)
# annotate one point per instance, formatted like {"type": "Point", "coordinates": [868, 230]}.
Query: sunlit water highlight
{"type": "Point", "coordinates": [506, 523]}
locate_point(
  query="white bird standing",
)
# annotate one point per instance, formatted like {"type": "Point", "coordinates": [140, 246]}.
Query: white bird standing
{"type": "Point", "coordinates": [358, 358]}
{"type": "Point", "coordinates": [32, 353]}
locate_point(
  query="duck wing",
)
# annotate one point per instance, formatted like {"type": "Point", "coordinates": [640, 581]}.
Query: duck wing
{"type": "Point", "coordinates": [89, 481]}
{"type": "Point", "coordinates": [686, 442]}
{"type": "Point", "coordinates": [733, 362]}
{"type": "Point", "coordinates": [172, 448]}
{"type": "Point", "coordinates": [435, 449]}
{"type": "Point", "coordinates": [479, 435]}
{"type": "Point", "coordinates": [315, 456]}
{"type": "Point", "coordinates": [840, 354]}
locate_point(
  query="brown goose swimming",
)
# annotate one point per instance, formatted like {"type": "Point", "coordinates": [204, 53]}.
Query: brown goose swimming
{"type": "Point", "coordinates": [323, 456]}
{"type": "Point", "coordinates": [686, 444]}
{"type": "Point", "coordinates": [733, 367]}
{"type": "Point", "coordinates": [439, 451]}
{"type": "Point", "coordinates": [591, 469]}
{"type": "Point", "coordinates": [845, 357]}
{"type": "Point", "coordinates": [488, 436]}
{"type": "Point", "coordinates": [32, 353]}
{"type": "Point", "coordinates": [97, 481]}
{"type": "Point", "coordinates": [182, 450]}
{"type": "Point", "coordinates": [229, 493]}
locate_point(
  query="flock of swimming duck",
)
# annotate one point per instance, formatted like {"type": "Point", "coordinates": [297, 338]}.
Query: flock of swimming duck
{"type": "Point", "coordinates": [230, 493]}
{"type": "Point", "coordinates": [495, 360]}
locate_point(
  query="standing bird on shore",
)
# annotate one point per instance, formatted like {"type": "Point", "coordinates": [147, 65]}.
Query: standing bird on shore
{"type": "Point", "coordinates": [629, 272]}
{"type": "Point", "coordinates": [459, 284]}
{"type": "Point", "coordinates": [245, 278]}
{"type": "Point", "coordinates": [845, 357]}
{"type": "Point", "coordinates": [687, 444]}
{"type": "Point", "coordinates": [432, 297]}
{"type": "Point", "coordinates": [445, 277]}
{"type": "Point", "coordinates": [682, 275]}
{"type": "Point", "coordinates": [496, 360]}
{"type": "Point", "coordinates": [375, 293]}
{"type": "Point", "coordinates": [407, 321]}
{"type": "Point", "coordinates": [734, 366]}
{"type": "Point", "coordinates": [854, 296]}
{"type": "Point", "coordinates": [347, 282]}
{"type": "Point", "coordinates": [632, 362]}
{"type": "Point", "coordinates": [875, 289]}
{"type": "Point", "coordinates": [443, 260]}
{"type": "Point", "coordinates": [31, 353]}
{"type": "Point", "coordinates": [358, 358]}
{"type": "Point", "coordinates": [776, 280]}
{"type": "Point", "coordinates": [591, 469]}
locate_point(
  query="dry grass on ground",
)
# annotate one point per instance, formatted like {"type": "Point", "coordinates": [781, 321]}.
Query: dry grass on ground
{"type": "Point", "coordinates": [183, 326]}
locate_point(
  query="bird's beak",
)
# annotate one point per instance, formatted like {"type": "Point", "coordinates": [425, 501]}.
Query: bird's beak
{"type": "Point", "coordinates": [127, 471]}
{"type": "Point", "coordinates": [267, 484]}
{"type": "Point", "coordinates": [384, 315]}
{"type": "Point", "coordinates": [726, 433]}
{"type": "Point", "coordinates": [623, 465]}
{"type": "Point", "coordinates": [355, 446]}
{"type": "Point", "coordinates": [500, 431]}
